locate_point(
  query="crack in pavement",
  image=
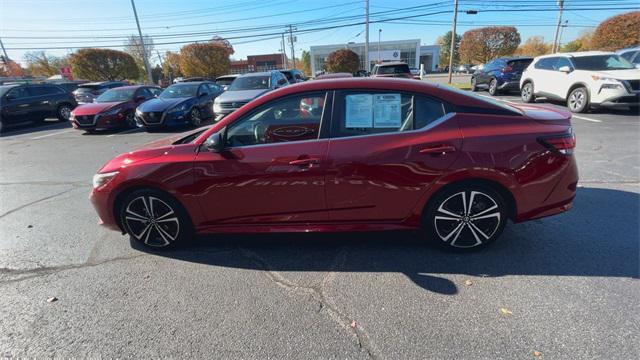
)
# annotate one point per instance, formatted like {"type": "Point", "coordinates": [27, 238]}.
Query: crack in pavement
{"type": "Point", "coordinates": [318, 294]}
{"type": "Point", "coordinates": [36, 202]}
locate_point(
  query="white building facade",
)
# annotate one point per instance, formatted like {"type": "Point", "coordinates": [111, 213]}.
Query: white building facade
{"type": "Point", "coordinates": [408, 51]}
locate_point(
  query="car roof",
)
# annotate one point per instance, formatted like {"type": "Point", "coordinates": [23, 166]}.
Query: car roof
{"type": "Point", "coordinates": [392, 63]}
{"type": "Point", "coordinates": [516, 58]}
{"type": "Point", "coordinates": [228, 76]}
{"type": "Point", "coordinates": [97, 83]}
{"type": "Point", "coordinates": [261, 73]}
{"type": "Point", "coordinates": [578, 54]}
{"type": "Point", "coordinates": [193, 82]}
{"type": "Point", "coordinates": [131, 87]}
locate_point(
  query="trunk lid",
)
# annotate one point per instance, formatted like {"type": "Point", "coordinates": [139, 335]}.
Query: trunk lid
{"type": "Point", "coordinates": [545, 115]}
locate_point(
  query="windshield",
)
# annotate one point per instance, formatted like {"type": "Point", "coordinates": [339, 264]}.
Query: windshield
{"type": "Point", "coordinates": [180, 90]}
{"type": "Point", "coordinates": [287, 74]}
{"type": "Point", "coordinates": [601, 63]}
{"type": "Point", "coordinates": [116, 95]}
{"type": "Point", "coordinates": [250, 83]}
{"type": "Point", "coordinates": [395, 69]}
{"type": "Point", "coordinates": [224, 81]}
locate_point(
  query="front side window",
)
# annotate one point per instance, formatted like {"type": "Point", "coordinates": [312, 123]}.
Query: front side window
{"type": "Point", "coordinates": [562, 62]}
{"type": "Point", "coordinates": [546, 63]}
{"type": "Point", "coordinates": [18, 93]}
{"type": "Point", "coordinates": [366, 113]}
{"type": "Point", "coordinates": [295, 118]}
{"type": "Point", "coordinates": [180, 90]}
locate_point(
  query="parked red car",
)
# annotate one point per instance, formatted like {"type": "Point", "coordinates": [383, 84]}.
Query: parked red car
{"type": "Point", "coordinates": [115, 108]}
{"type": "Point", "coordinates": [348, 155]}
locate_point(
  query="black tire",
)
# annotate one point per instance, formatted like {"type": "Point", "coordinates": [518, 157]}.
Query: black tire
{"type": "Point", "coordinates": [635, 109]}
{"type": "Point", "coordinates": [493, 87]}
{"type": "Point", "coordinates": [447, 225]}
{"type": "Point", "coordinates": [130, 120]}
{"type": "Point", "coordinates": [170, 225]}
{"type": "Point", "coordinates": [1, 125]}
{"type": "Point", "coordinates": [63, 112]}
{"type": "Point", "coordinates": [578, 100]}
{"type": "Point", "coordinates": [526, 93]}
{"type": "Point", "coordinates": [473, 84]}
{"type": "Point", "coordinates": [195, 117]}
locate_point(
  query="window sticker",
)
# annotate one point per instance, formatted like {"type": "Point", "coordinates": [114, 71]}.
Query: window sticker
{"type": "Point", "coordinates": [359, 113]}
{"type": "Point", "coordinates": [387, 111]}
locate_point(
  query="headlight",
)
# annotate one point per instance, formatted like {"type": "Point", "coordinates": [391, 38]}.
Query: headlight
{"type": "Point", "coordinates": [111, 112]}
{"type": "Point", "coordinates": [138, 112]}
{"type": "Point", "coordinates": [600, 78]}
{"type": "Point", "coordinates": [103, 178]}
{"type": "Point", "coordinates": [179, 108]}
{"type": "Point", "coordinates": [611, 86]}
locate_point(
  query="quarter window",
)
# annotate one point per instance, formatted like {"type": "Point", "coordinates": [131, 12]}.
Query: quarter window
{"type": "Point", "coordinates": [295, 118]}
{"type": "Point", "coordinates": [365, 113]}
{"type": "Point", "coordinates": [18, 93]}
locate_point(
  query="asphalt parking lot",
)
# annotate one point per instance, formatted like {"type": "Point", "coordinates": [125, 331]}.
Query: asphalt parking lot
{"type": "Point", "coordinates": [564, 287]}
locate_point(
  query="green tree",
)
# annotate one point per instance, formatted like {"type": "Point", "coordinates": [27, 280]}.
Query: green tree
{"type": "Point", "coordinates": [210, 59]}
{"type": "Point", "coordinates": [483, 44]}
{"type": "Point", "coordinates": [445, 46]}
{"type": "Point", "coordinates": [581, 43]}
{"type": "Point", "coordinates": [103, 64]}
{"type": "Point", "coordinates": [343, 60]}
{"type": "Point", "coordinates": [617, 32]}
{"type": "Point", "coordinates": [306, 63]}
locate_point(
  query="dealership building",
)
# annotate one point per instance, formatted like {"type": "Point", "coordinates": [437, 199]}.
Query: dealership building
{"type": "Point", "coordinates": [409, 51]}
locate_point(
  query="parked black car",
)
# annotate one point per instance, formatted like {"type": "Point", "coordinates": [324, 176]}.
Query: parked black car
{"type": "Point", "coordinates": [184, 103]}
{"type": "Point", "coordinates": [293, 75]}
{"type": "Point", "coordinates": [86, 93]}
{"type": "Point", "coordinates": [23, 103]}
{"type": "Point", "coordinates": [502, 74]}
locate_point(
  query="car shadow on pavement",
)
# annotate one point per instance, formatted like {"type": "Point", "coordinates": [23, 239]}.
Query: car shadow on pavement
{"type": "Point", "coordinates": [599, 237]}
{"type": "Point", "coordinates": [32, 128]}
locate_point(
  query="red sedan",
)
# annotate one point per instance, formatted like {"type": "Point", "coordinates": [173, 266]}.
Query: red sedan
{"type": "Point", "coordinates": [115, 108]}
{"type": "Point", "coordinates": [348, 155]}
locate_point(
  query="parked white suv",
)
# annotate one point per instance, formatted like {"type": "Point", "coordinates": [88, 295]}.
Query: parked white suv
{"type": "Point", "coordinates": [583, 79]}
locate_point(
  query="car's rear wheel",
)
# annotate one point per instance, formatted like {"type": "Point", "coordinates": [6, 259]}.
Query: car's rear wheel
{"type": "Point", "coordinates": [473, 84]}
{"type": "Point", "coordinates": [466, 217]}
{"type": "Point", "coordinates": [130, 120]}
{"type": "Point", "coordinates": [493, 87]}
{"type": "Point", "coordinates": [64, 112]}
{"type": "Point", "coordinates": [195, 117]}
{"type": "Point", "coordinates": [578, 101]}
{"type": "Point", "coordinates": [155, 219]}
{"type": "Point", "coordinates": [526, 93]}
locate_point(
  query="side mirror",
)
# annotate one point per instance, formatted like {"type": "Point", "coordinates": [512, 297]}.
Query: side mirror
{"type": "Point", "coordinates": [564, 69]}
{"type": "Point", "coordinates": [202, 95]}
{"type": "Point", "coordinates": [216, 142]}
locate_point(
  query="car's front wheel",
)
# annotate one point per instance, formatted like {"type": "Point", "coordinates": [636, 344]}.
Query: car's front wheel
{"type": "Point", "coordinates": [466, 217]}
{"type": "Point", "coordinates": [155, 219]}
{"type": "Point", "coordinates": [493, 87]}
{"type": "Point", "coordinates": [578, 101]}
{"type": "Point", "coordinates": [130, 120]}
{"type": "Point", "coordinates": [64, 112]}
{"type": "Point", "coordinates": [526, 93]}
{"type": "Point", "coordinates": [195, 117]}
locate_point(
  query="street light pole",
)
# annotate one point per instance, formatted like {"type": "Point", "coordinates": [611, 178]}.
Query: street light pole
{"type": "Point", "coordinates": [6, 57]}
{"type": "Point", "coordinates": [555, 38]}
{"type": "Point", "coordinates": [144, 50]}
{"type": "Point", "coordinates": [293, 52]}
{"type": "Point", "coordinates": [379, 32]}
{"type": "Point", "coordinates": [284, 53]}
{"type": "Point", "coordinates": [452, 49]}
{"type": "Point", "coordinates": [366, 37]}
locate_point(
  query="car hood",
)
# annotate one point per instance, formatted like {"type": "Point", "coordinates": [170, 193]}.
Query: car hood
{"type": "Point", "coordinates": [94, 108]}
{"type": "Point", "coordinates": [630, 74]}
{"type": "Point", "coordinates": [240, 95]}
{"type": "Point", "coordinates": [159, 104]}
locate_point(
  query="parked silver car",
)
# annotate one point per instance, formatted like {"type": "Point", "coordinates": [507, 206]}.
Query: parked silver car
{"type": "Point", "coordinates": [246, 88]}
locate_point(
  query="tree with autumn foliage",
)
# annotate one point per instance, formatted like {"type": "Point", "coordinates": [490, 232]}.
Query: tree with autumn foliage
{"type": "Point", "coordinates": [534, 46]}
{"type": "Point", "coordinates": [39, 63]}
{"type": "Point", "coordinates": [617, 32]}
{"type": "Point", "coordinates": [10, 68]}
{"type": "Point", "coordinates": [581, 43]}
{"type": "Point", "coordinates": [210, 59]}
{"type": "Point", "coordinates": [483, 44]}
{"type": "Point", "coordinates": [171, 65]}
{"type": "Point", "coordinates": [103, 64]}
{"type": "Point", "coordinates": [343, 60]}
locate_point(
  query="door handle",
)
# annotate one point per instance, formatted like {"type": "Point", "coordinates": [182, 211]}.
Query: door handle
{"type": "Point", "coordinates": [438, 149]}
{"type": "Point", "coordinates": [308, 162]}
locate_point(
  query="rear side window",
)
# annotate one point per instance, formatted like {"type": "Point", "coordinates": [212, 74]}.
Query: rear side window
{"type": "Point", "coordinates": [367, 113]}
{"type": "Point", "coordinates": [519, 65]}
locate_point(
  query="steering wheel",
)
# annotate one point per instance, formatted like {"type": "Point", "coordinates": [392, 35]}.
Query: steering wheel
{"type": "Point", "coordinates": [258, 133]}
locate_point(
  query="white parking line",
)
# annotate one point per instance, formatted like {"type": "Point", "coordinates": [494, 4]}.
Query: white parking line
{"type": "Point", "coordinates": [52, 134]}
{"type": "Point", "coordinates": [124, 132]}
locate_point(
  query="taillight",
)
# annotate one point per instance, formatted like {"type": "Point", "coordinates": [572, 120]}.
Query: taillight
{"type": "Point", "coordinates": [564, 143]}
{"type": "Point", "coordinates": [506, 69]}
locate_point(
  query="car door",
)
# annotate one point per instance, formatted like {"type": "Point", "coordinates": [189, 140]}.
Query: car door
{"type": "Point", "coordinates": [386, 149]}
{"type": "Point", "coordinates": [204, 100]}
{"type": "Point", "coordinates": [273, 168]}
{"type": "Point", "coordinates": [559, 87]}
{"type": "Point", "coordinates": [18, 106]}
{"type": "Point", "coordinates": [545, 76]}
{"type": "Point", "coordinates": [482, 78]}
{"type": "Point", "coordinates": [40, 101]}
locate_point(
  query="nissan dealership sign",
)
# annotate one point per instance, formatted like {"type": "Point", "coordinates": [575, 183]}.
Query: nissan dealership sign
{"type": "Point", "coordinates": [385, 55]}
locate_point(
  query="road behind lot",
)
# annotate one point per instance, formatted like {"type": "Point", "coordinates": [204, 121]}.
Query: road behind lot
{"type": "Point", "coordinates": [566, 286]}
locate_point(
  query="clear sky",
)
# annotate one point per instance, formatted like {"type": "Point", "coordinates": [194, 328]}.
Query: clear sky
{"type": "Point", "coordinates": [253, 26]}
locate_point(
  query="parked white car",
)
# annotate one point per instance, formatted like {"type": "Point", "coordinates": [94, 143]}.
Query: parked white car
{"type": "Point", "coordinates": [583, 79]}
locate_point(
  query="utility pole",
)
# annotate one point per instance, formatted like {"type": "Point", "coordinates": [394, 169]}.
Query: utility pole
{"type": "Point", "coordinates": [379, 33]}
{"type": "Point", "coordinates": [366, 36]}
{"type": "Point", "coordinates": [555, 38]}
{"type": "Point", "coordinates": [6, 57]}
{"type": "Point", "coordinates": [284, 53]}
{"type": "Point", "coordinates": [561, 31]}
{"type": "Point", "coordinates": [144, 50]}
{"type": "Point", "coordinates": [452, 49]}
{"type": "Point", "coordinates": [293, 52]}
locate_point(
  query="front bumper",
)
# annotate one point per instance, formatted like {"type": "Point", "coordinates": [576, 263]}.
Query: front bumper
{"type": "Point", "coordinates": [161, 119]}
{"type": "Point", "coordinates": [103, 204]}
{"type": "Point", "coordinates": [620, 102]}
{"type": "Point", "coordinates": [98, 122]}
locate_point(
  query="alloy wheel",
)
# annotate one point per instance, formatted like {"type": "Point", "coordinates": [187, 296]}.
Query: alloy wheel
{"type": "Point", "coordinates": [467, 219]}
{"type": "Point", "coordinates": [130, 120]}
{"type": "Point", "coordinates": [152, 221]}
{"type": "Point", "coordinates": [493, 86]}
{"type": "Point", "coordinates": [577, 100]}
{"type": "Point", "coordinates": [526, 92]}
{"type": "Point", "coordinates": [64, 112]}
{"type": "Point", "coordinates": [195, 117]}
